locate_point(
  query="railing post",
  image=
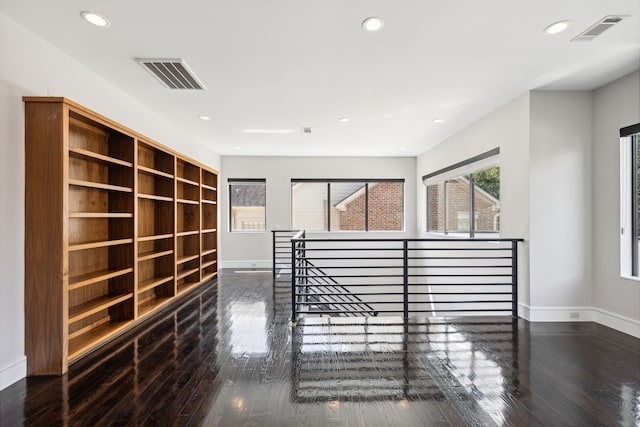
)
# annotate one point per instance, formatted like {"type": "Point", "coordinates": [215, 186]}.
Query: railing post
{"type": "Point", "coordinates": [293, 283]}
{"type": "Point", "coordinates": [405, 278]}
{"type": "Point", "coordinates": [274, 257]}
{"type": "Point", "coordinates": [514, 278]}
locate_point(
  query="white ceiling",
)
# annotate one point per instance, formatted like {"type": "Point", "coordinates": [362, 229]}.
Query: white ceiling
{"type": "Point", "coordinates": [285, 64]}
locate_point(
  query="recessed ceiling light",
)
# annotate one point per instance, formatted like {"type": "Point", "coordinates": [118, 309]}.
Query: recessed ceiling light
{"type": "Point", "coordinates": [95, 19]}
{"type": "Point", "coordinates": [373, 23]}
{"type": "Point", "coordinates": [557, 27]}
{"type": "Point", "coordinates": [237, 147]}
{"type": "Point", "coordinates": [335, 148]}
{"type": "Point", "coordinates": [343, 119]}
{"type": "Point", "coordinates": [205, 118]}
{"type": "Point", "coordinates": [402, 148]}
{"type": "Point", "coordinates": [438, 120]}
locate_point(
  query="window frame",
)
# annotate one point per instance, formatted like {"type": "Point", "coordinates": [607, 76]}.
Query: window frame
{"type": "Point", "coordinates": [481, 162]}
{"type": "Point", "coordinates": [366, 182]}
{"type": "Point", "coordinates": [235, 181]}
{"type": "Point", "coordinates": [629, 192]}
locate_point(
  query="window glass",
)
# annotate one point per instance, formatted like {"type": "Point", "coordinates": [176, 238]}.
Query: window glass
{"type": "Point", "coordinates": [247, 201]}
{"type": "Point", "coordinates": [486, 201]}
{"type": "Point", "coordinates": [435, 207]}
{"type": "Point", "coordinates": [386, 206]}
{"type": "Point", "coordinates": [309, 206]}
{"type": "Point", "coordinates": [347, 205]}
{"type": "Point", "coordinates": [458, 202]}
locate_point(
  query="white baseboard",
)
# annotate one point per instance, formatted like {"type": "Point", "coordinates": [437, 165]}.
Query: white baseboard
{"type": "Point", "coordinates": [262, 264]}
{"type": "Point", "coordinates": [617, 322]}
{"type": "Point", "coordinates": [12, 373]}
{"type": "Point", "coordinates": [580, 314]}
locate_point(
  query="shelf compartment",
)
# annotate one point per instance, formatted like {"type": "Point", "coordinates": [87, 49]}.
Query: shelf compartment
{"type": "Point", "coordinates": [89, 135]}
{"type": "Point", "coordinates": [151, 304]}
{"type": "Point", "coordinates": [208, 252]}
{"type": "Point", "coordinates": [92, 336]}
{"type": "Point", "coordinates": [154, 218]}
{"type": "Point", "coordinates": [91, 231]}
{"type": "Point", "coordinates": [151, 255]}
{"type": "Point", "coordinates": [154, 160]}
{"type": "Point", "coordinates": [209, 241]}
{"type": "Point", "coordinates": [155, 184]}
{"type": "Point", "coordinates": [209, 180]}
{"type": "Point", "coordinates": [208, 276]}
{"type": "Point", "coordinates": [187, 217]}
{"type": "Point", "coordinates": [153, 283]}
{"type": "Point", "coordinates": [187, 171]}
{"type": "Point", "coordinates": [208, 264]}
{"type": "Point", "coordinates": [98, 244]}
{"type": "Point", "coordinates": [88, 308]}
{"type": "Point", "coordinates": [81, 153]}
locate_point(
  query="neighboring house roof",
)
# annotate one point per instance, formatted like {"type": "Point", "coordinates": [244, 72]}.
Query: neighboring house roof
{"type": "Point", "coordinates": [248, 195]}
{"type": "Point", "coordinates": [343, 204]}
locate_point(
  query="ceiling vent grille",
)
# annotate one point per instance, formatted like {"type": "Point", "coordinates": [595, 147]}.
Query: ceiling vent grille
{"type": "Point", "coordinates": [172, 73]}
{"type": "Point", "coordinates": [598, 28]}
{"type": "Point", "coordinates": [306, 130]}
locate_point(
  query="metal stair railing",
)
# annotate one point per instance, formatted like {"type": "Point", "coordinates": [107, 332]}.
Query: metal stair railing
{"type": "Point", "coordinates": [328, 292]}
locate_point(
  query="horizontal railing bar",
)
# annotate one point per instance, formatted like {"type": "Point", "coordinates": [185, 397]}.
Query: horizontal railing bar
{"type": "Point", "coordinates": [460, 275]}
{"type": "Point", "coordinates": [458, 257]}
{"type": "Point", "coordinates": [455, 266]}
{"type": "Point", "coordinates": [331, 267]}
{"type": "Point", "coordinates": [450, 310]}
{"type": "Point", "coordinates": [303, 276]}
{"type": "Point", "coordinates": [456, 240]}
{"type": "Point", "coordinates": [348, 259]}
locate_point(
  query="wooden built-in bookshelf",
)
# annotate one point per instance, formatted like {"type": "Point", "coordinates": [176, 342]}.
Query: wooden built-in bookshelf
{"type": "Point", "coordinates": [117, 226]}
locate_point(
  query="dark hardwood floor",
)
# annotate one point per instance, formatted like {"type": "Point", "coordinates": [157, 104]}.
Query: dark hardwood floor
{"type": "Point", "coordinates": [227, 356]}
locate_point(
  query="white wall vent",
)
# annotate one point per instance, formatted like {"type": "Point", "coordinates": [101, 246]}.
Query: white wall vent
{"type": "Point", "coordinates": [172, 73]}
{"type": "Point", "coordinates": [598, 28]}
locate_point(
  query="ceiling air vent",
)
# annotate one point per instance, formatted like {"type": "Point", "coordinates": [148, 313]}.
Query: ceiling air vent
{"type": "Point", "coordinates": [306, 130]}
{"type": "Point", "coordinates": [598, 28]}
{"type": "Point", "coordinates": [172, 73]}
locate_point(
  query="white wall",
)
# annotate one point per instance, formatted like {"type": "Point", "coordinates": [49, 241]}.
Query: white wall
{"type": "Point", "coordinates": [560, 200]}
{"type": "Point", "coordinates": [617, 300]}
{"type": "Point", "coordinates": [254, 249]}
{"type": "Point", "coordinates": [507, 128]}
{"type": "Point", "coordinates": [30, 66]}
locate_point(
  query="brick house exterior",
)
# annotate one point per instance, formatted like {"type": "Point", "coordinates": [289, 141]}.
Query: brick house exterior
{"type": "Point", "coordinates": [487, 208]}
{"type": "Point", "coordinates": [386, 208]}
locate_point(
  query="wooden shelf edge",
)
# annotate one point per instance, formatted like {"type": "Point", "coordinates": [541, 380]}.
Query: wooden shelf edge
{"type": "Point", "coordinates": [187, 233]}
{"type": "Point", "coordinates": [208, 252]}
{"type": "Point", "coordinates": [91, 307]}
{"type": "Point", "coordinates": [187, 181]}
{"type": "Point", "coordinates": [97, 276]}
{"type": "Point", "coordinates": [187, 258]}
{"type": "Point", "coordinates": [145, 309]}
{"type": "Point", "coordinates": [154, 197]}
{"type": "Point", "coordinates": [99, 244]}
{"type": "Point", "coordinates": [208, 264]}
{"type": "Point", "coordinates": [99, 186]}
{"type": "Point", "coordinates": [182, 274]}
{"type": "Point", "coordinates": [152, 255]}
{"type": "Point", "coordinates": [100, 215]}
{"type": "Point", "coordinates": [154, 237]}
{"type": "Point", "coordinates": [209, 276]}
{"type": "Point", "coordinates": [152, 171]}
{"type": "Point", "coordinates": [82, 344]}
{"type": "Point", "coordinates": [187, 201]}
{"type": "Point", "coordinates": [209, 230]}
{"type": "Point", "coordinates": [146, 285]}
{"type": "Point", "coordinates": [81, 152]}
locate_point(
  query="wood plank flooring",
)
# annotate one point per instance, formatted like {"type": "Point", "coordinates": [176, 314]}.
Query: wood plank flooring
{"type": "Point", "coordinates": [227, 356]}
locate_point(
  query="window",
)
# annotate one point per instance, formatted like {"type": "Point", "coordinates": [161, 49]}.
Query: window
{"type": "Point", "coordinates": [465, 198]}
{"type": "Point", "coordinates": [247, 201]}
{"type": "Point", "coordinates": [347, 204]}
{"type": "Point", "coordinates": [630, 201]}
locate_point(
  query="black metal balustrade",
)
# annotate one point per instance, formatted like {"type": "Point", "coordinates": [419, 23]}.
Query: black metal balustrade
{"type": "Point", "coordinates": [282, 254]}
{"type": "Point", "coordinates": [407, 277]}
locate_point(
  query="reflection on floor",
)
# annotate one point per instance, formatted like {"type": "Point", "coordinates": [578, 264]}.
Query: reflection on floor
{"type": "Point", "coordinates": [227, 356]}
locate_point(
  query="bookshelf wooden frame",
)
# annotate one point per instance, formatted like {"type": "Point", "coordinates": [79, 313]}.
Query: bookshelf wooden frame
{"type": "Point", "coordinates": [116, 227]}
